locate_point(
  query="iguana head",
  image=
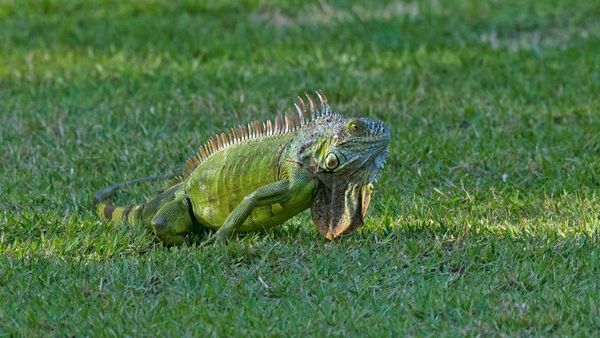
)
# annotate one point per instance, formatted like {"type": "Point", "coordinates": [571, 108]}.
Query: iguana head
{"type": "Point", "coordinates": [346, 157]}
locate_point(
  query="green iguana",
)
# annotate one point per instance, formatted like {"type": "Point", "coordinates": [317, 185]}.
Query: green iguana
{"type": "Point", "coordinates": [257, 176]}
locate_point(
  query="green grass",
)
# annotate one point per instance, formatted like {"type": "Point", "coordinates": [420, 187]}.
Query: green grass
{"type": "Point", "coordinates": [485, 220]}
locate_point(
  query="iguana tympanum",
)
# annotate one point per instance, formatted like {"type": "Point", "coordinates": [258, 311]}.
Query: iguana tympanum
{"type": "Point", "coordinates": [257, 176]}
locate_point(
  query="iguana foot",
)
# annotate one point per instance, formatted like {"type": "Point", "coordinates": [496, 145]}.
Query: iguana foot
{"type": "Point", "coordinates": [219, 236]}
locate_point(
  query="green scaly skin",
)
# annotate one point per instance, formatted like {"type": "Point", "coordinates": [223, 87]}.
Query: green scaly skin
{"type": "Point", "coordinates": [258, 177]}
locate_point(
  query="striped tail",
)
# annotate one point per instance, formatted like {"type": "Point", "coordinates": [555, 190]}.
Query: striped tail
{"type": "Point", "coordinates": [118, 214]}
{"type": "Point", "coordinates": [133, 214]}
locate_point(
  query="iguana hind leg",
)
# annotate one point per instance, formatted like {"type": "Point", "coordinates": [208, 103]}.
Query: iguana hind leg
{"type": "Point", "coordinates": [173, 221]}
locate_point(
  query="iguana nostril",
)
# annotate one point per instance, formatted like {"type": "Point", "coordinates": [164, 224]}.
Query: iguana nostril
{"type": "Point", "coordinates": [331, 161]}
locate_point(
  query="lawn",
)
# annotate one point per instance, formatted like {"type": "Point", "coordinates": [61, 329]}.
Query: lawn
{"type": "Point", "coordinates": [485, 220]}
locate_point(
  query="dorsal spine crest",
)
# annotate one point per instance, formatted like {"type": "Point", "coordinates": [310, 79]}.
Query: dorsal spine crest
{"type": "Point", "coordinates": [282, 124]}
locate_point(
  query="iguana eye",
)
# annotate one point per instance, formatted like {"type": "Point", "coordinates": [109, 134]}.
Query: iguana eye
{"type": "Point", "coordinates": [355, 127]}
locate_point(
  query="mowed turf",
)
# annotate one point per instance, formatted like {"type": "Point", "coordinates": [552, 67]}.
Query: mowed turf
{"type": "Point", "coordinates": [484, 222]}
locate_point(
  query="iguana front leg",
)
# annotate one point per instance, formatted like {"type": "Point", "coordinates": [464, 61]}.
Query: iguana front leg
{"type": "Point", "coordinates": [272, 193]}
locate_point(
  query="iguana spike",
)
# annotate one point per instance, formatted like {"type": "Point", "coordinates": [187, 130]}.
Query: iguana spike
{"type": "Point", "coordinates": [213, 146]}
{"type": "Point", "coordinates": [238, 132]}
{"type": "Point", "coordinates": [217, 142]}
{"type": "Point", "coordinates": [278, 123]}
{"type": "Point", "coordinates": [227, 139]}
{"type": "Point", "coordinates": [324, 106]}
{"type": "Point", "coordinates": [230, 137]}
{"type": "Point", "coordinates": [250, 130]}
{"type": "Point", "coordinates": [269, 128]}
{"type": "Point", "coordinates": [253, 128]}
{"type": "Point", "coordinates": [188, 167]}
{"type": "Point", "coordinates": [311, 103]}
{"type": "Point", "coordinates": [300, 115]}
{"type": "Point", "coordinates": [306, 117]}
{"type": "Point", "coordinates": [257, 129]}
{"type": "Point", "coordinates": [234, 135]}
{"type": "Point", "coordinates": [314, 112]}
{"type": "Point", "coordinates": [302, 103]}
{"type": "Point", "coordinates": [288, 121]}
{"type": "Point", "coordinates": [323, 95]}
{"type": "Point", "coordinates": [320, 97]}
{"type": "Point", "coordinates": [222, 141]}
{"type": "Point", "coordinates": [264, 129]}
{"type": "Point", "coordinates": [295, 119]}
{"type": "Point", "coordinates": [244, 130]}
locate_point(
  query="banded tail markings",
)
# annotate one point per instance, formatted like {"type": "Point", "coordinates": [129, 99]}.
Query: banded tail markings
{"type": "Point", "coordinates": [118, 214]}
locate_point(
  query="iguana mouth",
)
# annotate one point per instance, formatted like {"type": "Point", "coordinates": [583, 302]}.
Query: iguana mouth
{"type": "Point", "coordinates": [341, 207]}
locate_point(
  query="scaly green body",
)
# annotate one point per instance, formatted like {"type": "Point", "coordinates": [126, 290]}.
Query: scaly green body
{"type": "Point", "coordinates": [259, 176]}
{"type": "Point", "coordinates": [238, 171]}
